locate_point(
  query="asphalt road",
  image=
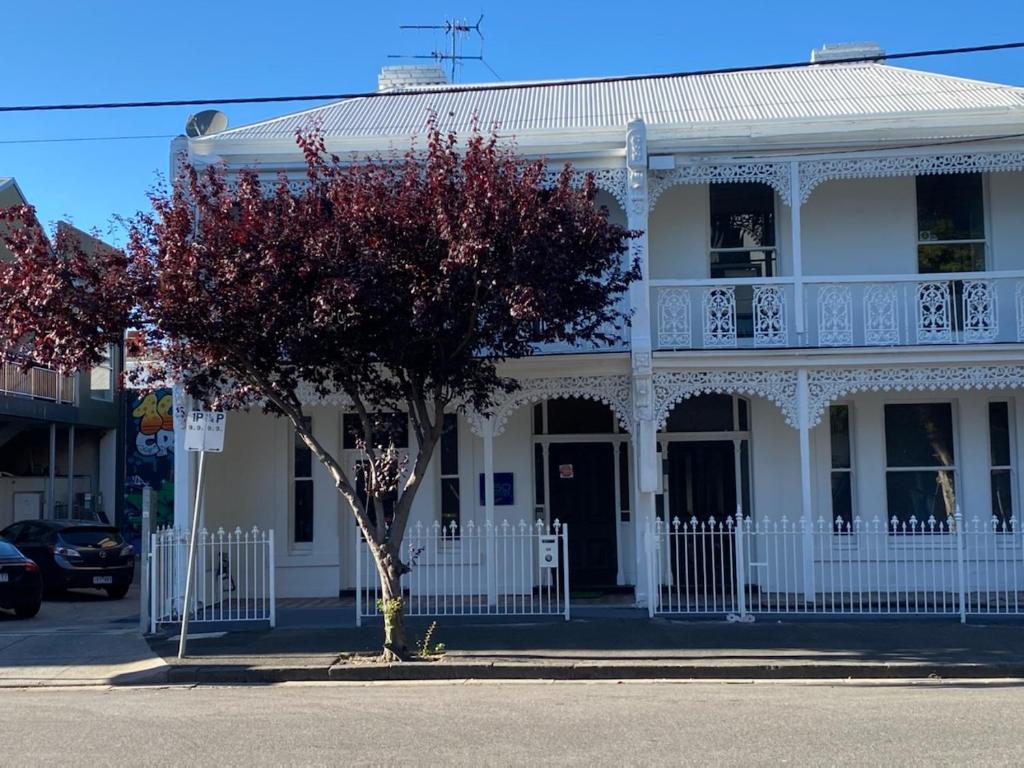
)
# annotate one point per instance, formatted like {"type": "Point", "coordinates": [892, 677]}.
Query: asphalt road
{"type": "Point", "coordinates": [593, 724]}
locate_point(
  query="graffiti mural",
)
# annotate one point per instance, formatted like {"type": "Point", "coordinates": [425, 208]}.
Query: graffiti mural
{"type": "Point", "coordinates": [149, 444]}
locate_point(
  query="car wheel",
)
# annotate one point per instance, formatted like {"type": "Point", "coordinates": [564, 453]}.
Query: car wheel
{"type": "Point", "coordinates": [26, 611]}
{"type": "Point", "coordinates": [116, 593]}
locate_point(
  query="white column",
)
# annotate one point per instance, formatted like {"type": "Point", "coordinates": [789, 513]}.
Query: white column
{"type": "Point", "coordinates": [492, 571]}
{"type": "Point", "coordinates": [51, 480]}
{"type": "Point", "coordinates": [798, 261]}
{"type": "Point", "coordinates": [71, 470]}
{"type": "Point", "coordinates": [644, 433]}
{"type": "Point", "coordinates": [805, 483]}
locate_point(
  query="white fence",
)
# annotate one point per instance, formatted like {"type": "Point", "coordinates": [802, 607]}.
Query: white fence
{"type": "Point", "coordinates": [955, 567]}
{"type": "Point", "coordinates": [234, 576]}
{"type": "Point", "coordinates": [508, 569]}
{"type": "Point", "coordinates": [839, 310]}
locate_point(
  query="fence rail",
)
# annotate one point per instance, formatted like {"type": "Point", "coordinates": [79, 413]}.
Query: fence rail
{"type": "Point", "coordinates": [37, 383]}
{"type": "Point", "coordinates": [955, 566]}
{"type": "Point", "coordinates": [449, 573]}
{"type": "Point", "coordinates": [235, 578]}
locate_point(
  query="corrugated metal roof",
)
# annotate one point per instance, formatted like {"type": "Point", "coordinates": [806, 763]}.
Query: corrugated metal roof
{"type": "Point", "coordinates": [829, 91]}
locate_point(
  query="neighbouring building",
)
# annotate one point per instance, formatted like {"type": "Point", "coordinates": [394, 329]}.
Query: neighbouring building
{"type": "Point", "coordinates": [828, 338]}
{"type": "Point", "coordinates": [59, 435]}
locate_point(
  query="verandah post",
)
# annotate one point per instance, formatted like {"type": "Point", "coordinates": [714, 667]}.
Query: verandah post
{"type": "Point", "coordinates": [803, 407]}
{"type": "Point", "coordinates": [491, 567]}
{"type": "Point", "coordinates": [741, 587]}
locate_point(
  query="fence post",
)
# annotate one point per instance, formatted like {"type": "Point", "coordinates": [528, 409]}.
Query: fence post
{"type": "Point", "coordinates": [145, 607]}
{"type": "Point", "coordinates": [741, 587]}
{"type": "Point", "coordinates": [565, 567]}
{"type": "Point", "coordinates": [653, 585]}
{"type": "Point", "coordinates": [155, 563]}
{"type": "Point", "coordinates": [961, 569]}
{"type": "Point", "coordinates": [359, 585]}
{"type": "Point", "coordinates": [273, 581]}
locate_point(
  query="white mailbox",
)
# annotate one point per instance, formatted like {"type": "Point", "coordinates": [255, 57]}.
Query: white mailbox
{"type": "Point", "coordinates": [548, 551]}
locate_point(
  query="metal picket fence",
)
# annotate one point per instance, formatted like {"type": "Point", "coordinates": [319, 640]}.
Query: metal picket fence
{"type": "Point", "coordinates": [235, 577]}
{"type": "Point", "coordinates": [507, 569]}
{"type": "Point", "coordinates": [930, 567]}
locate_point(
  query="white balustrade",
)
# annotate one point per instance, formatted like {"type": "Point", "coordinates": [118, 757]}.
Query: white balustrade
{"type": "Point", "coordinates": [840, 311]}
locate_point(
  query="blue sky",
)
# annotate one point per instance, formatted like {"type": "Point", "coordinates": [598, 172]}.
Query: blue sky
{"type": "Point", "coordinates": [101, 50]}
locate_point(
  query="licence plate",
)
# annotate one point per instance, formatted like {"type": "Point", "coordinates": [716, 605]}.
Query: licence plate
{"type": "Point", "coordinates": [102, 579]}
{"type": "Point", "coordinates": [5, 577]}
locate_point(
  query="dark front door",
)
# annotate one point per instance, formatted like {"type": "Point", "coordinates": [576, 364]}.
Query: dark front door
{"type": "Point", "coordinates": [582, 483]}
{"type": "Point", "coordinates": [702, 494]}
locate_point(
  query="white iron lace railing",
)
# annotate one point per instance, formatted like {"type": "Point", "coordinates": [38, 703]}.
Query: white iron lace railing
{"type": "Point", "coordinates": [840, 311]}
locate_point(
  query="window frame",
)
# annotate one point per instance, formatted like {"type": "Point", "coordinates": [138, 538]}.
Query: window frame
{"type": "Point", "coordinates": [954, 469]}
{"type": "Point", "coordinates": [1011, 424]}
{"type": "Point", "coordinates": [108, 365]}
{"type": "Point", "coordinates": [850, 470]}
{"type": "Point", "coordinates": [984, 241]}
{"type": "Point", "coordinates": [294, 544]}
{"type": "Point", "coordinates": [455, 476]}
{"type": "Point", "coordinates": [775, 249]}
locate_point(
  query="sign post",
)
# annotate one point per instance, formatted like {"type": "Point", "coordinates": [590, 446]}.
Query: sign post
{"type": "Point", "coordinates": [204, 432]}
{"type": "Point", "coordinates": [144, 559]}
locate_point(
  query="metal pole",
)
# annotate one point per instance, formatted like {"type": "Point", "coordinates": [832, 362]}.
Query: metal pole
{"type": "Point", "coordinates": [71, 472]}
{"type": "Point", "coordinates": [51, 480]}
{"type": "Point", "coordinates": [741, 587]}
{"type": "Point", "coordinates": [144, 556]}
{"type": "Point", "coordinates": [273, 585]}
{"type": "Point", "coordinates": [190, 573]}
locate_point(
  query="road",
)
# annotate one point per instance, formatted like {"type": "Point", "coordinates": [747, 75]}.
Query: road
{"type": "Point", "coordinates": [593, 724]}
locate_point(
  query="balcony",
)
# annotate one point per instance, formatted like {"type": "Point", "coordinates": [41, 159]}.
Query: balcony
{"type": "Point", "coordinates": [839, 311]}
{"type": "Point", "coordinates": [37, 384]}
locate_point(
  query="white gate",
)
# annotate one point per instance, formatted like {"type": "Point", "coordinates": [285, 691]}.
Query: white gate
{"type": "Point", "coordinates": [954, 567]}
{"type": "Point", "coordinates": [510, 569]}
{"type": "Point", "coordinates": [234, 576]}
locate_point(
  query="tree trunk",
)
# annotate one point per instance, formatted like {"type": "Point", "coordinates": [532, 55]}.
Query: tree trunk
{"type": "Point", "coordinates": [396, 645]}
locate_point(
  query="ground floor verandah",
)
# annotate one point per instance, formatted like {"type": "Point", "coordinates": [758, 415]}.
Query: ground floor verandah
{"type": "Point", "coordinates": [849, 482]}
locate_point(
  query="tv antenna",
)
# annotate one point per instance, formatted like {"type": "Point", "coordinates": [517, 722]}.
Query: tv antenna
{"type": "Point", "coordinates": [456, 30]}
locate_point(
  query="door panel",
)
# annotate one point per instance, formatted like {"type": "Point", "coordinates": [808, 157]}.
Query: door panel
{"type": "Point", "coordinates": [581, 479]}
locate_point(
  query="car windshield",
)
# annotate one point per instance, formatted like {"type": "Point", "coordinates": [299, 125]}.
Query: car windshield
{"type": "Point", "coordinates": [8, 550]}
{"type": "Point", "coordinates": [91, 537]}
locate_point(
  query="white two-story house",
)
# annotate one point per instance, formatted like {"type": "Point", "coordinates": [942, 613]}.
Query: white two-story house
{"type": "Point", "coordinates": [827, 343]}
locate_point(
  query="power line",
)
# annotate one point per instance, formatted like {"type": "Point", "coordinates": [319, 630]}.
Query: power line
{"type": "Point", "coordinates": [503, 86]}
{"type": "Point", "coordinates": [59, 140]}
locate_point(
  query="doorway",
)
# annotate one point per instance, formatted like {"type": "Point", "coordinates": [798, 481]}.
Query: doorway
{"type": "Point", "coordinates": [581, 483]}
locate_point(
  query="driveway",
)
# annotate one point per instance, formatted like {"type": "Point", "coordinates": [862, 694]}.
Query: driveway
{"type": "Point", "coordinates": [81, 638]}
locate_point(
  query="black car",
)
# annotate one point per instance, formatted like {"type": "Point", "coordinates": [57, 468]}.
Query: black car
{"type": "Point", "coordinates": [21, 583]}
{"type": "Point", "coordinates": [76, 553]}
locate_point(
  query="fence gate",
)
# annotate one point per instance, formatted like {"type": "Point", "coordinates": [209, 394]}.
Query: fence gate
{"type": "Point", "coordinates": [956, 567]}
{"type": "Point", "coordinates": [509, 569]}
{"type": "Point", "coordinates": [234, 576]}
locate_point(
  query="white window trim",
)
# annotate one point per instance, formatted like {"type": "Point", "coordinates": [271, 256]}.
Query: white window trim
{"type": "Point", "coordinates": [1011, 422]}
{"type": "Point", "coordinates": [986, 223]}
{"type": "Point", "coordinates": [898, 540]}
{"type": "Point", "coordinates": [851, 471]}
{"type": "Point", "coordinates": [298, 547]}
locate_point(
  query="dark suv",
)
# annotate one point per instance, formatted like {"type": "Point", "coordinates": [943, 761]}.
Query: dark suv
{"type": "Point", "coordinates": [74, 553]}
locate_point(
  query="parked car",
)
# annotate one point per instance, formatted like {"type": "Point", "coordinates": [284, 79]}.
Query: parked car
{"type": "Point", "coordinates": [21, 583]}
{"type": "Point", "coordinates": [76, 554]}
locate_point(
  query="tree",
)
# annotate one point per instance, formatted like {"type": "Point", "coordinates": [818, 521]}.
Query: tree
{"type": "Point", "coordinates": [400, 281]}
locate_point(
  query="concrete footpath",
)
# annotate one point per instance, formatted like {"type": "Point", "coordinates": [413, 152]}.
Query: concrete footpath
{"type": "Point", "coordinates": [611, 648]}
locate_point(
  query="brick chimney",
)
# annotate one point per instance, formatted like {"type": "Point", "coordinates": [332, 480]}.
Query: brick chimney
{"type": "Point", "coordinates": [410, 77]}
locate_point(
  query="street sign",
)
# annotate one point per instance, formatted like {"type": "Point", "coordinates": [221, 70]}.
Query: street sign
{"type": "Point", "coordinates": [548, 551]}
{"type": "Point", "coordinates": [204, 431]}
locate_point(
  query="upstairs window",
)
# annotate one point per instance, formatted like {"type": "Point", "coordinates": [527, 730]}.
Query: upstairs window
{"type": "Point", "coordinates": [950, 223]}
{"type": "Point", "coordinates": [101, 378]}
{"type": "Point", "coordinates": [742, 241]}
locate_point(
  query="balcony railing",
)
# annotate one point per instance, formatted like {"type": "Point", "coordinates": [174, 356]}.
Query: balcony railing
{"type": "Point", "coordinates": [839, 311]}
{"type": "Point", "coordinates": [37, 383]}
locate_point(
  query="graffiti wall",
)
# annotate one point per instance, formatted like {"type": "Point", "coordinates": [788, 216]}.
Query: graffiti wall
{"type": "Point", "coordinates": [149, 443]}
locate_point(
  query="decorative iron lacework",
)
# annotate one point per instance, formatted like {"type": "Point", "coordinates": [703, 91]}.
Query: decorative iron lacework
{"type": "Point", "coordinates": [814, 172]}
{"type": "Point", "coordinates": [307, 396]}
{"type": "Point", "coordinates": [778, 386]}
{"type": "Point", "coordinates": [827, 385]}
{"type": "Point", "coordinates": [612, 390]}
{"type": "Point", "coordinates": [775, 175]}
